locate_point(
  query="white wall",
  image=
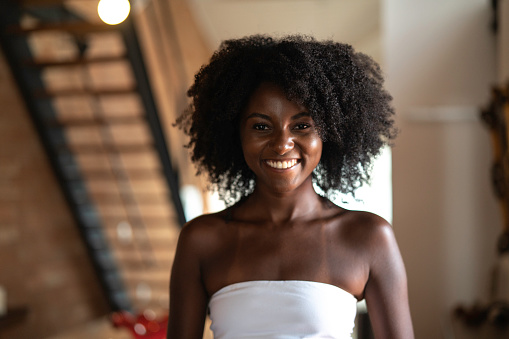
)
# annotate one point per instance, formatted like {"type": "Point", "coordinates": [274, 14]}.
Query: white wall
{"type": "Point", "coordinates": [440, 63]}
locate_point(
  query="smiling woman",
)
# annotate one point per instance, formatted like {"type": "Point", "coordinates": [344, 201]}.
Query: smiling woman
{"type": "Point", "coordinates": [269, 120]}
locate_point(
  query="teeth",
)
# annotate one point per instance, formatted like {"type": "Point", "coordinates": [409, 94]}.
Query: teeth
{"type": "Point", "coordinates": [282, 164]}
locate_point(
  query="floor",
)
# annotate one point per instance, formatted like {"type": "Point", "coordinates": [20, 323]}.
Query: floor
{"type": "Point", "coordinates": [101, 328]}
{"type": "Point", "coordinates": [104, 329]}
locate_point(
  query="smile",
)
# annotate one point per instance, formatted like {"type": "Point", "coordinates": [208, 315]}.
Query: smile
{"type": "Point", "coordinates": [281, 164]}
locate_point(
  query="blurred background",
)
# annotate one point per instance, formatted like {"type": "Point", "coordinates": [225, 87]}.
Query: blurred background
{"type": "Point", "coordinates": [95, 183]}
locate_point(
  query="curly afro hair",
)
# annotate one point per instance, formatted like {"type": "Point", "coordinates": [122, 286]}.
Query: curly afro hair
{"type": "Point", "coordinates": [342, 89]}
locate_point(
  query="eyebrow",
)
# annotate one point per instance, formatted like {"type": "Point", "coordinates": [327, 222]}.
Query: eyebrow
{"type": "Point", "coordinates": [266, 117]}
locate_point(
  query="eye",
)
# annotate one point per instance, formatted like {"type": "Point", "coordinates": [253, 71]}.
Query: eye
{"type": "Point", "coordinates": [301, 126]}
{"type": "Point", "coordinates": [260, 127]}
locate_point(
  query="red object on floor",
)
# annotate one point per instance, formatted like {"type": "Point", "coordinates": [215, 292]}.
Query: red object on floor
{"type": "Point", "coordinates": [143, 326]}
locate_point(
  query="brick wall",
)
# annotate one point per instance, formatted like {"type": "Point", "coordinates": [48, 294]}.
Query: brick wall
{"type": "Point", "coordinates": [43, 262]}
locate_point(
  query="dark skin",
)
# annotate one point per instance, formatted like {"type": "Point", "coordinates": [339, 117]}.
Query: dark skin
{"type": "Point", "coordinates": [285, 231]}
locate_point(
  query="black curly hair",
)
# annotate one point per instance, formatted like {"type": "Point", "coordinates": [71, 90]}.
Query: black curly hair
{"type": "Point", "coordinates": [342, 89]}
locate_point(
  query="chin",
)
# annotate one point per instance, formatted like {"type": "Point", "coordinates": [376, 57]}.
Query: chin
{"type": "Point", "coordinates": [284, 187]}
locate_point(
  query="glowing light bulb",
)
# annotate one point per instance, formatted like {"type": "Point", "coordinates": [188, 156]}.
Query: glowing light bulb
{"type": "Point", "coordinates": [113, 12]}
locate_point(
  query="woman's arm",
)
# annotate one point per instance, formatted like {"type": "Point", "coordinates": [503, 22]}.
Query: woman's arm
{"type": "Point", "coordinates": [386, 290]}
{"type": "Point", "coordinates": [188, 297]}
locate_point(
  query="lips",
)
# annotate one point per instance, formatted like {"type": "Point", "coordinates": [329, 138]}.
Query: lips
{"type": "Point", "coordinates": [281, 164]}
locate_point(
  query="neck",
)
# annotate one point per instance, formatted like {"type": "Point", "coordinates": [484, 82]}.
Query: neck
{"type": "Point", "coordinates": [284, 207]}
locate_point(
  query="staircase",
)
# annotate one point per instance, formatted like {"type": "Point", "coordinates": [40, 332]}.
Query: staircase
{"type": "Point", "coordinates": [86, 88]}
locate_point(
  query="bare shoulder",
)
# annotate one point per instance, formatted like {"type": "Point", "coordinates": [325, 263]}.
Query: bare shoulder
{"type": "Point", "coordinates": [198, 240]}
{"type": "Point", "coordinates": [205, 223]}
{"type": "Point", "coordinates": [364, 219]}
{"type": "Point", "coordinates": [204, 231]}
{"type": "Point", "coordinates": [386, 288]}
{"type": "Point", "coordinates": [365, 229]}
{"type": "Point", "coordinates": [371, 246]}
{"type": "Point", "coordinates": [188, 295]}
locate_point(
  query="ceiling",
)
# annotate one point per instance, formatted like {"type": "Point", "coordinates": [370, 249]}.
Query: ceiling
{"type": "Point", "coordinates": [356, 22]}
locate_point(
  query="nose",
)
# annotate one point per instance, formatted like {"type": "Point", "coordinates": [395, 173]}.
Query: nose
{"type": "Point", "coordinates": [282, 142]}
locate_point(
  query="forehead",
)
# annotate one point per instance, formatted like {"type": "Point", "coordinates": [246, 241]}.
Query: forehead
{"type": "Point", "coordinates": [270, 98]}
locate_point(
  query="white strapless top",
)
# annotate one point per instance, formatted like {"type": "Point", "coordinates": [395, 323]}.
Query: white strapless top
{"type": "Point", "coordinates": [288, 309]}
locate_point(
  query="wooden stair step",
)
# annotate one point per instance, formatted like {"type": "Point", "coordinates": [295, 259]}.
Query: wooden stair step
{"type": "Point", "coordinates": [75, 62]}
{"type": "Point", "coordinates": [149, 260]}
{"type": "Point", "coordinates": [68, 27]}
{"type": "Point", "coordinates": [110, 198]}
{"type": "Point", "coordinates": [156, 286]}
{"type": "Point", "coordinates": [152, 225]}
{"type": "Point", "coordinates": [44, 94]}
{"type": "Point", "coordinates": [155, 219]}
{"type": "Point", "coordinates": [38, 3]}
{"type": "Point", "coordinates": [133, 265]}
{"type": "Point", "coordinates": [157, 275]}
{"type": "Point", "coordinates": [95, 149]}
{"type": "Point", "coordinates": [95, 122]}
{"type": "Point", "coordinates": [141, 201]}
{"type": "Point", "coordinates": [136, 174]}
{"type": "Point", "coordinates": [139, 175]}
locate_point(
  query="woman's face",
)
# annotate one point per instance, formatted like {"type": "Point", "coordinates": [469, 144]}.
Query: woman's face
{"type": "Point", "coordinates": [279, 140]}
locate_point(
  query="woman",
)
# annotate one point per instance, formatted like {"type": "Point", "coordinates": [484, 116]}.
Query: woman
{"type": "Point", "coordinates": [269, 120]}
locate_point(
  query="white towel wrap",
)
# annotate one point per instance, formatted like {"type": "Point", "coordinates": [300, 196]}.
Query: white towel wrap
{"type": "Point", "coordinates": [288, 309]}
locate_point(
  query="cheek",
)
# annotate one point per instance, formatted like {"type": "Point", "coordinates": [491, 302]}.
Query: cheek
{"type": "Point", "coordinates": [250, 149]}
{"type": "Point", "coordinates": [244, 143]}
{"type": "Point", "coordinates": [315, 146]}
